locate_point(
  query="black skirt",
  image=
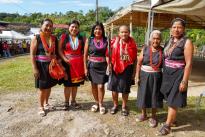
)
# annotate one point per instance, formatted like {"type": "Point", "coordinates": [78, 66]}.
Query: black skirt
{"type": "Point", "coordinates": [122, 82]}
{"type": "Point", "coordinates": [45, 81]}
{"type": "Point", "coordinates": [68, 83]}
{"type": "Point", "coordinates": [97, 72]}
{"type": "Point", "coordinates": [149, 95]}
{"type": "Point", "coordinates": [170, 87]}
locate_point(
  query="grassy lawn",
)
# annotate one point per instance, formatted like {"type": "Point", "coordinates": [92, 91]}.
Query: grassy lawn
{"type": "Point", "coordinates": [16, 75]}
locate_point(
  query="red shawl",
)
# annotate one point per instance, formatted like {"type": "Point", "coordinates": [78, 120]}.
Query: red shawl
{"type": "Point", "coordinates": [119, 65]}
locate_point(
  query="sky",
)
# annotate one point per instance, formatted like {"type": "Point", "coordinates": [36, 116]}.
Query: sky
{"type": "Point", "coordinates": [51, 6]}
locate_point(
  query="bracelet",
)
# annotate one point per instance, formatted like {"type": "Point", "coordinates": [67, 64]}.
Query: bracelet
{"type": "Point", "coordinates": [183, 82]}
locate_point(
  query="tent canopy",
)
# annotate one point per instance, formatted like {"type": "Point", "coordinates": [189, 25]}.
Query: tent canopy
{"type": "Point", "coordinates": [192, 11]}
{"type": "Point", "coordinates": [12, 35]}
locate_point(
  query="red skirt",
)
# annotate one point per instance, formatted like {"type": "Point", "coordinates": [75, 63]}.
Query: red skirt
{"type": "Point", "coordinates": [76, 68]}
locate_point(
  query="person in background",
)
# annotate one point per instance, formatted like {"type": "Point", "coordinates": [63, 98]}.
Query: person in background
{"type": "Point", "coordinates": [149, 77]}
{"type": "Point", "coordinates": [178, 54]}
{"type": "Point", "coordinates": [71, 49]}
{"type": "Point", "coordinates": [123, 68]}
{"type": "Point", "coordinates": [95, 64]}
{"type": "Point", "coordinates": [43, 49]}
{"type": "Point", "coordinates": [24, 46]}
{"type": "Point", "coordinates": [1, 49]}
{"type": "Point", "coordinates": [6, 49]}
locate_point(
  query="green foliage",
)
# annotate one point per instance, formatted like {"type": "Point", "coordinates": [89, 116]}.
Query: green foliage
{"type": "Point", "coordinates": [88, 19]}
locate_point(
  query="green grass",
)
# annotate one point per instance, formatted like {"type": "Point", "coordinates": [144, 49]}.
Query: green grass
{"type": "Point", "coordinates": [16, 75]}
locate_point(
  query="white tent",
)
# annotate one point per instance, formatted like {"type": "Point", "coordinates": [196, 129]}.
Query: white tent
{"type": "Point", "coordinates": [32, 32]}
{"type": "Point", "coordinates": [12, 35]}
{"type": "Point", "coordinates": [136, 14]}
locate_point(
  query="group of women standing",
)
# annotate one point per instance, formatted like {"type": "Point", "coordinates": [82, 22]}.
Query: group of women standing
{"type": "Point", "coordinates": [96, 56]}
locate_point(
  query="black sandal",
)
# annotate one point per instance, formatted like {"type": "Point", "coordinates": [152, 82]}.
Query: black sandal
{"type": "Point", "coordinates": [125, 112]}
{"type": "Point", "coordinates": [165, 129]}
{"type": "Point", "coordinates": [113, 110]}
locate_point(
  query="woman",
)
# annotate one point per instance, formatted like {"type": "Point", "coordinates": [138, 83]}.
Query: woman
{"type": "Point", "coordinates": [43, 49]}
{"type": "Point", "coordinates": [123, 59]}
{"type": "Point", "coordinates": [95, 53]}
{"type": "Point", "coordinates": [178, 54]}
{"type": "Point", "coordinates": [71, 48]}
{"type": "Point", "coordinates": [149, 76]}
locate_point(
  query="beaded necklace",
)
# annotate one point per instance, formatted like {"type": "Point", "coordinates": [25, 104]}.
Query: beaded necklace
{"type": "Point", "coordinates": [96, 43]}
{"type": "Point", "coordinates": [49, 48]}
{"type": "Point", "coordinates": [155, 67]}
{"type": "Point", "coordinates": [74, 45]}
{"type": "Point", "coordinates": [123, 52]}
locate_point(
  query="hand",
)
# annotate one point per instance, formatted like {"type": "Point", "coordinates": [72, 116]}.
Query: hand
{"type": "Point", "coordinates": [36, 73]}
{"type": "Point", "coordinates": [66, 60]}
{"type": "Point", "coordinates": [86, 72]}
{"type": "Point", "coordinates": [137, 81]}
{"type": "Point", "coordinates": [182, 87]}
{"type": "Point", "coordinates": [110, 68]}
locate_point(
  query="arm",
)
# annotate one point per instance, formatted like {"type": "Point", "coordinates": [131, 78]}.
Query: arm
{"type": "Point", "coordinates": [33, 49]}
{"type": "Point", "coordinates": [134, 64]}
{"type": "Point", "coordinates": [139, 64]}
{"type": "Point", "coordinates": [188, 54]}
{"type": "Point", "coordinates": [86, 57]}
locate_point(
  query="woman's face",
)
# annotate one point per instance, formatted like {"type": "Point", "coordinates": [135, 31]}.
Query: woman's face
{"type": "Point", "coordinates": [155, 40]}
{"type": "Point", "coordinates": [177, 29]}
{"type": "Point", "coordinates": [124, 33]}
{"type": "Point", "coordinates": [73, 29]}
{"type": "Point", "coordinates": [98, 31]}
{"type": "Point", "coordinates": [47, 27]}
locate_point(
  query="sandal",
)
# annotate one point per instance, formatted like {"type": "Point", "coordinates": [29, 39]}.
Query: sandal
{"type": "Point", "coordinates": [102, 110]}
{"type": "Point", "coordinates": [75, 105]}
{"type": "Point", "coordinates": [113, 110]}
{"type": "Point", "coordinates": [66, 106]}
{"type": "Point", "coordinates": [165, 129]}
{"type": "Point", "coordinates": [153, 122]}
{"type": "Point", "coordinates": [42, 112]}
{"type": "Point", "coordinates": [141, 118]}
{"type": "Point", "coordinates": [125, 112]}
{"type": "Point", "coordinates": [49, 107]}
{"type": "Point", "coordinates": [94, 108]}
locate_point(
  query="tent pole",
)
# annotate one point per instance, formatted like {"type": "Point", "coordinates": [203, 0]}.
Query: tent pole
{"type": "Point", "coordinates": [111, 30]}
{"type": "Point", "coordinates": [150, 25]}
{"type": "Point", "coordinates": [131, 31]}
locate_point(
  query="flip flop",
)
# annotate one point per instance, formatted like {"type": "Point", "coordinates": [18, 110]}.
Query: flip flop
{"type": "Point", "coordinates": [94, 108]}
{"type": "Point", "coordinates": [75, 105]}
{"type": "Point", "coordinates": [125, 112]}
{"type": "Point", "coordinates": [42, 112]}
{"type": "Point", "coordinates": [102, 110]}
{"type": "Point", "coordinates": [165, 129]}
{"type": "Point", "coordinates": [49, 107]}
{"type": "Point", "coordinates": [113, 110]}
{"type": "Point", "coordinates": [141, 118]}
{"type": "Point", "coordinates": [153, 122]}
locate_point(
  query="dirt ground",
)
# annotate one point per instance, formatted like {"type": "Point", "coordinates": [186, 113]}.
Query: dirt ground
{"type": "Point", "coordinates": [19, 118]}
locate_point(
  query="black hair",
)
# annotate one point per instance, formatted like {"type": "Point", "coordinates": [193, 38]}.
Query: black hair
{"type": "Point", "coordinates": [74, 22]}
{"type": "Point", "coordinates": [46, 19]}
{"type": "Point", "coordinates": [183, 23]}
{"type": "Point", "coordinates": [101, 26]}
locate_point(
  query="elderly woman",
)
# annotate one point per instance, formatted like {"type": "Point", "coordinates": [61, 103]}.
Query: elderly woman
{"type": "Point", "coordinates": [178, 53]}
{"type": "Point", "coordinates": [95, 64]}
{"type": "Point", "coordinates": [123, 65]}
{"type": "Point", "coordinates": [149, 77]}
{"type": "Point", "coordinates": [43, 49]}
{"type": "Point", "coordinates": [71, 47]}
